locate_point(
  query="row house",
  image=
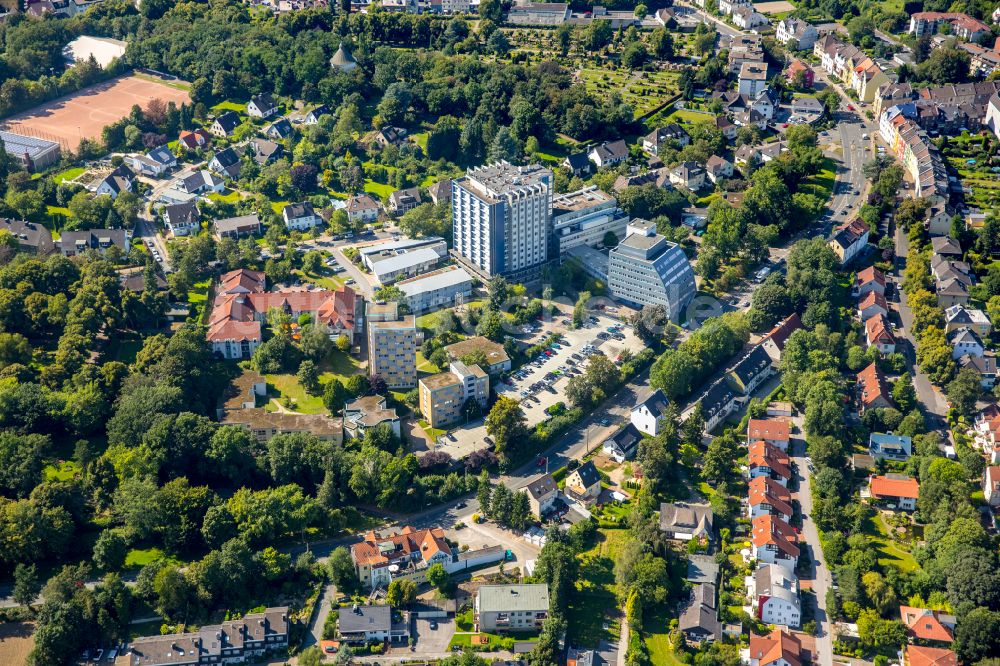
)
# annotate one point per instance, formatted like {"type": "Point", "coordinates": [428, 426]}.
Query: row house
{"type": "Point", "coordinates": [767, 461]}
{"type": "Point", "coordinates": [775, 432]}
{"type": "Point", "coordinates": [774, 541]}
{"type": "Point", "coordinates": [872, 305]}
{"type": "Point", "coordinates": [915, 151]}
{"type": "Point", "coordinates": [773, 591]}
{"type": "Point", "coordinates": [768, 497]}
{"type": "Point", "coordinates": [987, 433]}
{"type": "Point", "coordinates": [961, 25]}
{"type": "Point", "coordinates": [851, 65]}
{"type": "Point", "coordinates": [779, 648]}
{"type": "Point", "coordinates": [879, 335]}
{"type": "Point", "coordinates": [991, 485]}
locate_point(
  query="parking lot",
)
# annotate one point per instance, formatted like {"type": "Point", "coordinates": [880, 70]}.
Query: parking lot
{"type": "Point", "coordinates": [432, 641]}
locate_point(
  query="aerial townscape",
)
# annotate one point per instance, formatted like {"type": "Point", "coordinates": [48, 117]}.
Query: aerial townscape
{"type": "Point", "coordinates": [499, 332]}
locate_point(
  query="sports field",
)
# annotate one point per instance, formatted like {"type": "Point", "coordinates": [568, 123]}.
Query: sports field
{"type": "Point", "coordinates": [84, 114]}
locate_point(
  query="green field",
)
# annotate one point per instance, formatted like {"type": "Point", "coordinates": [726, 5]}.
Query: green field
{"type": "Point", "coordinates": [287, 386]}
{"type": "Point", "coordinates": [643, 90]}
{"type": "Point", "coordinates": [594, 603]}
{"type": "Point", "coordinates": [68, 174]}
{"type": "Point", "coordinates": [199, 293]}
{"type": "Point", "coordinates": [380, 190]}
{"type": "Point", "coordinates": [229, 106]}
{"type": "Point", "coordinates": [278, 206]}
{"type": "Point", "coordinates": [821, 184]}
{"type": "Point", "coordinates": [140, 557]}
{"type": "Point", "coordinates": [658, 641]}
{"type": "Point", "coordinates": [231, 196]}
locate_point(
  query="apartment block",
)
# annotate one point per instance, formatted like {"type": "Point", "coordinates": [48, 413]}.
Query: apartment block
{"type": "Point", "coordinates": [647, 269]}
{"type": "Point", "coordinates": [392, 346]}
{"type": "Point", "coordinates": [443, 396]}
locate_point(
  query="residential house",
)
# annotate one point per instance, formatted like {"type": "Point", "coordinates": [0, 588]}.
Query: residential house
{"type": "Point", "coordinates": [403, 201]}
{"type": "Point", "coordinates": [932, 626]}
{"type": "Point", "coordinates": [361, 208]}
{"type": "Point", "coordinates": [390, 136]}
{"type": "Point", "coordinates": [199, 138]}
{"type": "Point", "coordinates": [871, 305]}
{"type": "Point", "coordinates": [744, 48]}
{"type": "Point", "coordinates": [505, 608]}
{"type": "Point", "coordinates": [773, 431]}
{"type": "Point", "coordinates": [887, 446]}
{"type": "Point", "coordinates": [182, 219]}
{"type": "Point", "coordinates": [946, 246]}
{"type": "Point", "coordinates": [727, 7]}
{"type": "Point", "coordinates": [718, 168]}
{"type": "Point", "coordinates": [796, 34]}
{"type": "Point", "coordinates": [379, 559]}
{"type": "Point", "coordinates": [681, 521]}
{"type": "Point", "coordinates": [225, 124]}
{"type": "Point", "coordinates": [247, 639]}
{"type": "Point", "coordinates": [313, 115]}
{"type": "Point", "coordinates": [699, 619]}
{"type": "Point", "coordinates": [119, 180]}
{"type": "Point", "coordinates": [300, 216]}
{"type": "Point", "coordinates": [873, 392]}
{"type": "Point", "coordinates": [991, 485]}
{"type": "Point", "coordinates": [773, 541]}
{"type": "Point", "coordinates": [200, 182]}
{"type": "Point", "coordinates": [752, 78]}
{"type": "Point", "coordinates": [265, 425]}
{"type": "Point", "coordinates": [688, 175]}
{"type": "Point", "coordinates": [702, 569]}
{"type": "Point", "coordinates": [542, 494]}
{"type": "Point", "coordinates": [985, 366]}
{"type": "Point", "coordinates": [226, 162]}
{"type": "Point", "coordinates": [959, 316]}
{"type": "Point", "coordinates": [647, 414]}
{"type": "Point", "coordinates": [497, 359]}
{"type": "Point", "coordinates": [751, 371]}
{"type": "Point", "coordinates": [944, 269]}
{"type": "Point", "coordinates": [155, 163]}
{"type": "Point", "coordinates": [279, 129]}
{"type": "Point", "coordinates": [578, 164]}
{"type": "Point", "coordinates": [264, 151]}
{"type": "Point", "coordinates": [774, 342]}
{"type": "Point", "coordinates": [359, 625]}
{"type": "Point", "coordinates": [879, 335]}
{"type": "Point", "coordinates": [583, 484]}
{"type": "Point", "coordinates": [367, 412]}
{"type": "Point", "coordinates": [773, 591]}
{"type": "Point", "coordinates": [952, 291]}
{"type": "Point", "coordinates": [745, 18]}
{"type": "Point", "coordinates": [75, 243]}
{"type": "Point", "coordinates": [964, 342]}
{"type": "Point", "coordinates": [717, 403]}
{"type": "Point", "coordinates": [445, 396]}
{"type": "Point", "coordinates": [768, 461]}
{"type": "Point", "coordinates": [779, 648]}
{"type": "Point", "coordinates": [580, 657]}
{"type": "Point", "coordinates": [672, 134]}
{"type": "Point", "coordinates": [262, 106]}
{"type": "Point", "coordinates": [624, 444]}
{"type": "Point", "coordinates": [849, 240]}
{"type": "Point", "coordinates": [792, 72]}
{"type": "Point", "coordinates": [868, 280]}
{"type": "Point", "coordinates": [440, 191]}
{"type": "Point", "coordinates": [238, 227]}
{"type": "Point", "coordinates": [609, 153]}
{"type": "Point", "coordinates": [961, 25]}
{"type": "Point", "coordinates": [728, 129]}
{"type": "Point", "coordinates": [895, 490]}
{"type": "Point", "coordinates": [766, 496]}
{"type": "Point", "coordinates": [920, 655]}
{"type": "Point", "coordinates": [809, 108]}
{"type": "Point", "coordinates": [31, 237]}
{"type": "Point", "coordinates": [658, 177]}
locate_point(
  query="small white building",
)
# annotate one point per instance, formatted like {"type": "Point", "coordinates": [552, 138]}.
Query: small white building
{"type": "Point", "coordinates": [300, 216]}
{"type": "Point", "coordinates": [647, 414]}
{"type": "Point", "coordinates": [262, 106]}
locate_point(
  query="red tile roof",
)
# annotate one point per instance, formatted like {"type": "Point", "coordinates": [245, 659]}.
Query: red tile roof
{"type": "Point", "coordinates": [769, 429]}
{"type": "Point", "coordinates": [770, 530]}
{"type": "Point", "coordinates": [764, 490]}
{"type": "Point", "coordinates": [926, 624]}
{"type": "Point", "coordinates": [877, 331]}
{"type": "Point", "coordinates": [873, 298]}
{"type": "Point", "coordinates": [780, 333]}
{"type": "Point", "coordinates": [873, 385]}
{"type": "Point", "coordinates": [871, 274]}
{"type": "Point", "coordinates": [884, 486]}
{"type": "Point", "coordinates": [917, 655]}
{"type": "Point", "coordinates": [374, 549]}
{"type": "Point", "coordinates": [762, 454]}
{"type": "Point", "coordinates": [776, 645]}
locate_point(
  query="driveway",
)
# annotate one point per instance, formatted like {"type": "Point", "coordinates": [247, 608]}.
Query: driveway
{"type": "Point", "coordinates": [323, 608]}
{"type": "Point", "coordinates": [363, 281]}
{"type": "Point", "coordinates": [432, 641]}
{"type": "Point", "coordinates": [819, 574]}
{"type": "Point", "coordinates": [145, 229]}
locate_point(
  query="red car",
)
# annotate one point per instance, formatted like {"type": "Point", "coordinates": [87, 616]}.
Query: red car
{"type": "Point", "coordinates": [850, 107]}
{"type": "Point", "coordinates": [542, 461]}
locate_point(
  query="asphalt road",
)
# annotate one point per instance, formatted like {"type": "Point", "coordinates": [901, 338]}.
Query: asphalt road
{"type": "Point", "coordinates": [145, 229]}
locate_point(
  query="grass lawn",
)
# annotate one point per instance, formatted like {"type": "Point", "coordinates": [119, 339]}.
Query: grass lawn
{"type": "Point", "coordinates": [658, 642]}
{"type": "Point", "coordinates": [643, 90]}
{"type": "Point", "coordinates": [287, 386]}
{"type": "Point", "coordinates": [231, 196]}
{"type": "Point", "coordinates": [179, 85]}
{"type": "Point", "coordinates": [420, 138]}
{"type": "Point", "coordinates": [821, 184]}
{"type": "Point", "coordinates": [140, 557]}
{"type": "Point", "coordinates": [690, 116]}
{"type": "Point", "coordinates": [58, 210]}
{"type": "Point", "coordinates": [127, 350]}
{"type": "Point", "coordinates": [588, 611]}
{"type": "Point", "coordinates": [331, 281]}
{"type": "Point", "coordinates": [423, 365]}
{"type": "Point", "coordinates": [68, 174]}
{"type": "Point", "coordinates": [278, 206]}
{"type": "Point", "coordinates": [199, 294]}
{"type": "Point", "coordinates": [229, 106]}
{"type": "Point", "coordinates": [338, 365]}
{"type": "Point", "coordinates": [889, 553]}
{"type": "Point", "coordinates": [463, 621]}
{"type": "Point", "coordinates": [380, 190]}
{"type": "Point", "coordinates": [62, 471]}
{"type": "Point", "coordinates": [433, 433]}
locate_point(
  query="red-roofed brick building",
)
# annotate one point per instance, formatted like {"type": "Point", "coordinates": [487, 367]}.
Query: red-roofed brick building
{"type": "Point", "coordinates": [868, 280]}
{"type": "Point", "coordinates": [879, 335]}
{"type": "Point", "coordinates": [766, 496]}
{"type": "Point", "coordinates": [928, 625]}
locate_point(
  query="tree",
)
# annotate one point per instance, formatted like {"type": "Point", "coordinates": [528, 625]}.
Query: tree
{"type": "Point", "coordinates": [26, 585]}
{"type": "Point", "coordinates": [438, 577]}
{"type": "Point", "coordinates": [308, 377]}
{"type": "Point", "coordinates": [334, 395]}
{"type": "Point", "coordinates": [110, 550]}
{"type": "Point", "coordinates": [874, 632]}
{"type": "Point", "coordinates": [634, 55]}
{"type": "Point", "coordinates": [506, 425]}
{"type": "Point", "coordinates": [401, 592]}
{"type": "Point", "coordinates": [498, 44]}
{"type": "Point", "coordinates": [342, 571]}
{"type": "Point", "coordinates": [311, 656]}
{"type": "Point", "coordinates": [977, 636]}
{"type": "Point", "coordinates": [312, 262]}
{"type": "Point", "coordinates": [597, 35]}
{"type": "Point", "coordinates": [964, 391]}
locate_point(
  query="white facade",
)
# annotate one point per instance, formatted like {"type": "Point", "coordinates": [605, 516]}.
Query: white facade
{"type": "Point", "coordinates": [646, 269]}
{"type": "Point", "coordinates": [500, 218]}
{"type": "Point", "coordinates": [585, 217]}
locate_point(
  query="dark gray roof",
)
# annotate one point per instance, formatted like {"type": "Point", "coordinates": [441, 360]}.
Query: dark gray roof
{"type": "Point", "coordinates": [264, 101]}
{"type": "Point", "coordinates": [229, 121]}
{"type": "Point", "coordinates": [627, 439]}
{"type": "Point", "coordinates": [702, 569]}
{"type": "Point", "coordinates": [578, 161]}
{"type": "Point", "coordinates": [686, 517]}
{"type": "Point", "coordinates": [541, 486]}
{"type": "Point", "coordinates": [94, 238]}
{"type": "Point", "coordinates": [588, 474]}
{"type": "Point", "coordinates": [296, 210]}
{"type": "Point", "coordinates": [264, 150]}
{"type": "Point", "coordinates": [365, 618]}
{"type": "Point", "coordinates": [701, 614]}
{"type": "Point", "coordinates": [181, 214]}
{"type": "Point", "coordinates": [752, 365]}
{"type": "Point", "coordinates": [162, 155]}
{"type": "Point", "coordinates": [226, 157]}
{"type": "Point", "coordinates": [280, 128]}
{"type": "Point", "coordinates": [29, 235]}
{"type": "Point", "coordinates": [656, 403]}
{"type": "Point", "coordinates": [717, 398]}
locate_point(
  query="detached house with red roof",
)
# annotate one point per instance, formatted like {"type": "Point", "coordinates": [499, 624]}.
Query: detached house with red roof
{"type": "Point", "coordinates": [766, 460]}
{"type": "Point", "coordinates": [779, 648]}
{"type": "Point", "coordinates": [407, 554]}
{"type": "Point", "coordinates": [773, 541]}
{"type": "Point", "coordinates": [991, 485]}
{"type": "Point", "coordinates": [918, 655]}
{"type": "Point", "coordinates": [879, 335]}
{"type": "Point", "coordinates": [872, 304]}
{"type": "Point", "coordinates": [767, 497]}
{"type": "Point", "coordinates": [873, 391]}
{"type": "Point", "coordinates": [928, 625]}
{"type": "Point", "coordinates": [773, 431]}
{"type": "Point", "coordinates": [868, 280]}
{"type": "Point", "coordinates": [895, 490]}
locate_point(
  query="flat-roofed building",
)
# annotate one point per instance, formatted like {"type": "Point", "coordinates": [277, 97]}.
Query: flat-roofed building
{"type": "Point", "coordinates": [496, 356]}
{"type": "Point", "coordinates": [647, 269]}
{"type": "Point", "coordinates": [511, 607]}
{"type": "Point", "coordinates": [392, 346]}
{"type": "Point", "coordinates": [443, 396]}
{"type": "Point", "coordinates": [443, 288]}
{"type": "Point", "coordinates": [585, 217]}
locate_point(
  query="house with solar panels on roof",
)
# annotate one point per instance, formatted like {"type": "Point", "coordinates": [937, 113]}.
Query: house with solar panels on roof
{"type": "Point", "coordinates": [31, 153]}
